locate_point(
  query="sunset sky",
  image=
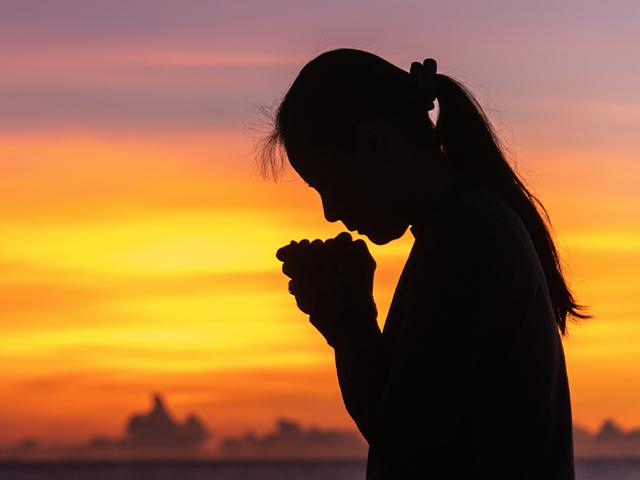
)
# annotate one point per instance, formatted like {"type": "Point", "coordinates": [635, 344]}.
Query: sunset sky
{"type": "Point", "coordinates": [137, 238]}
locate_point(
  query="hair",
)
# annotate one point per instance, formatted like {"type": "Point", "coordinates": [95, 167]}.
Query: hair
{"type": "Point", "coordinates": [339, 88]}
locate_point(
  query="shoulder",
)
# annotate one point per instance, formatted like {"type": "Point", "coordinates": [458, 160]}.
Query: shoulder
{"type": "Point", "coordinates": [475, 217]}
{"type": "Point", "coordinates": [477, 256]}
{"type": "Point", "coordinates": [472, 235]}
{"type": "Point", "coordinates": [476, 210]}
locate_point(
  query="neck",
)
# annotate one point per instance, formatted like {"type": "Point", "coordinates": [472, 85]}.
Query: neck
{"type": "Point", "coordinates": [435, 176]}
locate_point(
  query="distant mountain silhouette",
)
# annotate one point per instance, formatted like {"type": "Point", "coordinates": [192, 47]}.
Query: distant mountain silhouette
{"type": "Point", "coordinates": [290, 440]}
{"type": "Point", "coordinates": [155, 434]}
{"type": "Point", "coordinates": [610, 441]}
{"type": "Point", "coordinates": [158, 428]}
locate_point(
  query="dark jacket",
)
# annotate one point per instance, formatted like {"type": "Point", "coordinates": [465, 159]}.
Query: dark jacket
{"type": "Point", "coordinates": [467, 378]}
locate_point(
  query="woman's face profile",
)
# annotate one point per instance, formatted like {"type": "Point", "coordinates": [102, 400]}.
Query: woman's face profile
{"type": "Point", "coordinates": [360, 191]}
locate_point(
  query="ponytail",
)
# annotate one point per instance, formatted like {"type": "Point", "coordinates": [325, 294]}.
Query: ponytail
{"type": "Point", "coordinates": [469, 142]}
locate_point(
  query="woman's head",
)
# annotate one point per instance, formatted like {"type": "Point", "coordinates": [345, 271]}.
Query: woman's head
{"type": "Point", "coordinates": [351, 124]}
{"type": "Point", "coordinates": [356, 128]}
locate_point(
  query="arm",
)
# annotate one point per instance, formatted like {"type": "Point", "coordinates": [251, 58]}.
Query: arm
{"type": "Point", "coordinates": [337, 293]}
{"type": "Point", "coordinates": [348, 323]}
{"type": "Point", "coordinates": [360, 364]}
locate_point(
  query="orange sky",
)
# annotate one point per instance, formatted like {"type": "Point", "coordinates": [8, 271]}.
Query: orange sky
{"type": "Point", "coordinates": [135, 266]}
{"type": "Point", "coordinates": [137, 250]}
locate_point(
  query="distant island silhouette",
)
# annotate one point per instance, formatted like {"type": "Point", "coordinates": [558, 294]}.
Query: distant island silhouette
{"type": "Point", "coordinates": [157, 434]}
{"type": "Point", "coordinates": [152, 434]}
{"type": "Point", "coordinates": [290, 440]}
{"type": "Point", "coordinates": [609, 441]}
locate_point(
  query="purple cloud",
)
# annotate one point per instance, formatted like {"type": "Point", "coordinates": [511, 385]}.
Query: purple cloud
{"type": "Point", "coordinates": [290, 440]}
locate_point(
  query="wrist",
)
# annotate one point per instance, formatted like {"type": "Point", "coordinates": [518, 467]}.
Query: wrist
{"type": "Point", "coordinates": [355, 322]}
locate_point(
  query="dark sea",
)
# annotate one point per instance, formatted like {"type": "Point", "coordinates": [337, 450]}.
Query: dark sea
{"type": "Point", "coordinates": [585, 470]}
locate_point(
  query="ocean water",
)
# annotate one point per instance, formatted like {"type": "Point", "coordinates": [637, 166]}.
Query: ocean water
{"type": "Point", "coordinates": [585, 470]}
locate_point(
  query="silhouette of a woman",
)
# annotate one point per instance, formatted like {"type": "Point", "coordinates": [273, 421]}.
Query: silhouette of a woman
{"type": "Point", "coordinates": [467, 379]}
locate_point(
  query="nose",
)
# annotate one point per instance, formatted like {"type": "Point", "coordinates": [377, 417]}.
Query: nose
{"type": "Point", "coordinates": [330, 210]}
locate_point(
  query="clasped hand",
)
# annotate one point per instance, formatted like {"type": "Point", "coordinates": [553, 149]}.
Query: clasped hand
{"type": "Point", "coordinates": [328, 277]}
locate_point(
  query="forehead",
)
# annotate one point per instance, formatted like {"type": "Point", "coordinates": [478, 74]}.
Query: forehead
{"type": "Point", "coordinates": [316, 165]}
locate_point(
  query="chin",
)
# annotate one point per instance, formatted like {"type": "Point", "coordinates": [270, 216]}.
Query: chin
{"type": "Point", "coordinates": [382, 237]}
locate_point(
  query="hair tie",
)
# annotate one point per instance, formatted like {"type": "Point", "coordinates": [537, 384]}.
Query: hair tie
{"type": "Point", "coordinates": [423, 76]}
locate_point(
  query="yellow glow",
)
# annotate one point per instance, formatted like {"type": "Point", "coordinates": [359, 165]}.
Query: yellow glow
{"type": "Point", "coordinates": [131, 266]}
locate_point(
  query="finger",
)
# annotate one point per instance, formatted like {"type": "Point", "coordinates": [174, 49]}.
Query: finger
{"type": "Point", "coordinates": [303, 298]}
{"type": "Point", "coordinates": [344, 237]}
{"type": "Point", "coordinates": [283, 252]}
{"type": "Point", "coordinates": [343, 244]}
{"type": "Point", "coordinates": [303, 308]}
{"type": "Point", "coordinates": [304, 304]}
{"type": "Point", "coordinates": [339, 242]}
{"type": "Point", "coordinates": [287, 269]}
{"type": "Point", "coordinates": [313, 251]}
{"type": "Point", "coordinates": [360, 248]}
{"type": "Point", "coordinates": [335, 248]}
{"type": "Point", "coordinates": [329, 246]}
{"type": "Point", "coordinates": [360, 243]}
{"type": "Point", "coordinates": [331, 260]}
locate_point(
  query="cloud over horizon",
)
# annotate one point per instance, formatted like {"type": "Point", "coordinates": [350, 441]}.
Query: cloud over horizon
{"type": "Point", "coordinates": [155, 434]}
{"type": "Point", "coordinates": [609, 441]}
{"type": "Point", "coordinates": [158, 428]}
{"type": "Point", "coordinates": [290, 440]}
